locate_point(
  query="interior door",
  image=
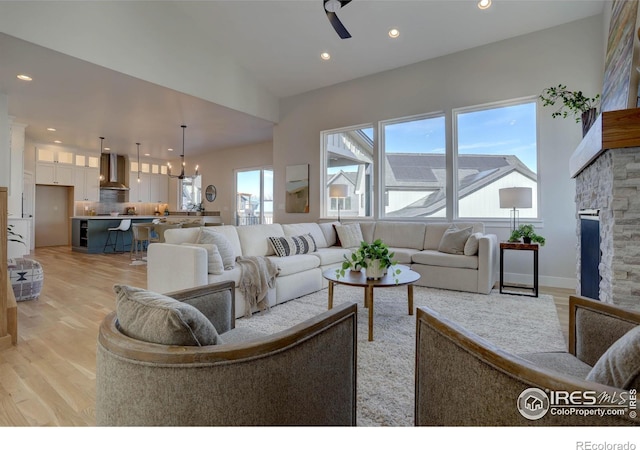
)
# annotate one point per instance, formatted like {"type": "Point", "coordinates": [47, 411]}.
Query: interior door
{"type": "Point", "coordinates": [52, 216]}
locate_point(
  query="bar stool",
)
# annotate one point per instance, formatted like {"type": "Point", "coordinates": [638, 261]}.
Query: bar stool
{"type": "Point", "coordinates": [125, 225]}
{"type": "Point", "coordinates": [142, 237]}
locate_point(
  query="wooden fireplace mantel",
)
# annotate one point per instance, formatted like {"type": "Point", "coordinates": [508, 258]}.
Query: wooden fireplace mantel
{"type": "Point", "coordinates": [612, 129]}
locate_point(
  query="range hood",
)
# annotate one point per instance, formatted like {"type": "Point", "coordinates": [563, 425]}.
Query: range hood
{"type": "Point", "coordinates": [113, 169]}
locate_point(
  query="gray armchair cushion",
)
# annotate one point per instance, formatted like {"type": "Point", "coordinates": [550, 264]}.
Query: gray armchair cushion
{"type": "Point", "coordinates": [156, 318]}
{"type": "Point", "coordinates": [619, 366]}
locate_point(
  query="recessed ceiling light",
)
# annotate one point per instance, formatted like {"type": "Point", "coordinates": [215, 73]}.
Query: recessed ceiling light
{"type": "Point", "coordinates": [24, 77]}
{"type": "Point", "coordinates": [170, 149]}
{"type": "Point", "coordinates": [58, 142]}
{"type": "Point", "coordinates": [51, 129]}
{"type": "Point", "coordinates": [147, 154]}
{"type": "Point", "coordinates": [326, 56]}
{"type": "Point", "coordinates": [394, 33]}
{"type": "Point", "coordinates": [484, 4]}
{"type": "Point", "coordinates": [107, 148]}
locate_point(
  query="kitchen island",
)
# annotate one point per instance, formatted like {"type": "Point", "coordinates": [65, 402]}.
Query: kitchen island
{"type": "Point", "coordinates": [89, 233]}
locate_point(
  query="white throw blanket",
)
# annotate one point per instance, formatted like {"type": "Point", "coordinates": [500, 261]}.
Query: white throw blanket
{"type": "Point", "coordinates": [258, 275]}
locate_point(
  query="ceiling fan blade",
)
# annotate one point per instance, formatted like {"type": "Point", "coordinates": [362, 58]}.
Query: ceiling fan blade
{"type": "Point", "coordinates": [337, 25]}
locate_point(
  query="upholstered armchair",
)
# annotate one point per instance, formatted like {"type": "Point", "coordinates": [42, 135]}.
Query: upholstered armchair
{"type": "Point", "coordinates": [305, 375]}
{"type": "Point", "coordinates": [462, 379]}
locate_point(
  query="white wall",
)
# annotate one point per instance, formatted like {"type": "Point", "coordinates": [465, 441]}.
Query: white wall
{"type": "Point", "coordinates": [523, 66]}
{"type": "Point", "coordinates": [5, 153]}
{"type": "Point", "coordinates": [218, 168]}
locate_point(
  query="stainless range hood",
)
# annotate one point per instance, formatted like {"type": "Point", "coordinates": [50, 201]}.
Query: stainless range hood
{"type": "Point", "coordinates": [113, 170]}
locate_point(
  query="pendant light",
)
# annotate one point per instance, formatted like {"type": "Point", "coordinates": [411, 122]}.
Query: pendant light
{"type": "Point", "coordinates": [138, 144]}
{"type": "Point", "coordinates": [101, 142]}
{"type": "Point", "coordinates": [182, 176]}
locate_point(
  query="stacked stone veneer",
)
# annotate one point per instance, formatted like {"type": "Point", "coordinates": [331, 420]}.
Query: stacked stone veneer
{"type": "Point", "coordinates": [611, 184]}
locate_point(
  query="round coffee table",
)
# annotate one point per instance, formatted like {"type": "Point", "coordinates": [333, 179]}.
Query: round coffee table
{"type": "Point", "coordinates": [405, 277]}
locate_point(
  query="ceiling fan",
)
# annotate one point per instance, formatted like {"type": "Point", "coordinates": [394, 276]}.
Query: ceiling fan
{"type": "Point", "coordinates": [330, 7]}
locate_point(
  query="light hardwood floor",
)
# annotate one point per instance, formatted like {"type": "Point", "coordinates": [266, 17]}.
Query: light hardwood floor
{"type": "Point", "coordinates": [48, 379]}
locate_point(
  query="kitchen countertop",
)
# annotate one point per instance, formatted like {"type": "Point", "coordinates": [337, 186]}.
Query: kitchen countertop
{"type": "Point", "coordinates": [122, 216]}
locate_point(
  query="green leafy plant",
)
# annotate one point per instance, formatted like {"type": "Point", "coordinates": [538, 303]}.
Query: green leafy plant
{"type": "Point", "coordinates": [527, 234]}
{"type": "Point", "coordinates": [365, 255]}
{"type": "Point", "coordinates": [573, 102]}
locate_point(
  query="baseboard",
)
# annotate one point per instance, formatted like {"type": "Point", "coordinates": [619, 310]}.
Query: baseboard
{"type": "Point", "coordinates": [554, 282]}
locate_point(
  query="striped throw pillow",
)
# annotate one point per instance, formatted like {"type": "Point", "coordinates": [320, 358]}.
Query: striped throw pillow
{"type": "Point", "coordinates": [293, 245]}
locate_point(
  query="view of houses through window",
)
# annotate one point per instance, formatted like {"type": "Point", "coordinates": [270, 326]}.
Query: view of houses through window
{"type": "Point", "coordinates": [254, 196]}
{"type": "Point", "coordinates": [494, 146]}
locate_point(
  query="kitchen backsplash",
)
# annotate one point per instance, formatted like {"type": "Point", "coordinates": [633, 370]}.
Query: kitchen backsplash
{"type": "Point", "coordinates": [101, 208]}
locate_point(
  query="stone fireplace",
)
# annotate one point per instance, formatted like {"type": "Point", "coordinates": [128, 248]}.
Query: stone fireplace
{"type": "Point", "coordinates": [608, 181]}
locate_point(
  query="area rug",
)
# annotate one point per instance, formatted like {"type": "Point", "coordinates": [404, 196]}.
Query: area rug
{"type": "Point", "coordinates": [386, 365]}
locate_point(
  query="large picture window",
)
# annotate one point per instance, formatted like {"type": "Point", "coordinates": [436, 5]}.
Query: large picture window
{"type": "Point", "coordinates": [415, 172]}
{"type": "Point", "coordinates": [496, 148]}
{"type": "Point", "coordinates": [348, 157]}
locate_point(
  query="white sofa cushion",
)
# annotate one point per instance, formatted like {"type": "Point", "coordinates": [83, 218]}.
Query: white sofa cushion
{"type": "Point", "coordinates": [293, 245]}
{"type": "Point", "coordinates": [472, 245]}
{"type": "Point", "coordinates": [434, 232]}
{"type": "Point", "coordinates": [331, 255]}
{"type": "Point", "coordinates": [349, 235]}
{"type": "Point", "coordinates": [454, 239]}
{"type": "Point", "coordinates": [367, 229]}
{"type": "Point", "coordinates": [299, 229]}
{"type": "Point", "coordinates": [436, 258]}
{"type": "Point", "coordinates": [214, 259]}
{"type": "Point", "coordinates": [227, 252]}
{"type": "Point", "coordinates": [400, 234]}
{"type": "Point", "coordinates": [253, 238]}
{"type": "Point", "coordinates": [329, 232]}
{"type": "Point", "coordinates": [181, 235]}
{"type": "Point", "coordinates": [295, 264]}
{"type": "Point", "coordinates": [403, 255]}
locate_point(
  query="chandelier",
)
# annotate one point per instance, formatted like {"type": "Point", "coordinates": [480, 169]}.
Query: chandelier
{"type": "Point", "coordinates": [182, 176]}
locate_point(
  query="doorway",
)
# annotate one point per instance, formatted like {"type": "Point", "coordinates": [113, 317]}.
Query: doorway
{"type": "Point", "coordinates": [52, 215]}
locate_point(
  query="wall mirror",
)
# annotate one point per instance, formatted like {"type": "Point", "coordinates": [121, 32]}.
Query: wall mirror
{"type": "Point", "coordinates": [210, 193]}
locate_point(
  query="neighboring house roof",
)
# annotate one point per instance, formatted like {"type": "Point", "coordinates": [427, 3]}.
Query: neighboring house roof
{"type": "Point", "coordinates": [474, 171]}
{"type": "Point", "coordinates": [350, 176]}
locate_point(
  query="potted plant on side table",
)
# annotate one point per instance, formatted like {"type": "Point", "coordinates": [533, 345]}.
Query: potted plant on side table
{"type": "Point", "coordinates": [374, 257]}
{"type": "Point", "coordinates": [527, 234]}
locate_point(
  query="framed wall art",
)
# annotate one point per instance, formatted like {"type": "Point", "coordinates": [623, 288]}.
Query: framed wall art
{"type": "Point", "coordinates": [297, 186]}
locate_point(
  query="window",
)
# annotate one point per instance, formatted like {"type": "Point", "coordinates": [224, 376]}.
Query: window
{"type": "Point", "coordinates": [254, 196]}
{"type": "Point", "coordinates": [348, 159]}
{"type": "Point", "coordinates": [496, 148]}
{"type": "Point", "coordinates": [415, 172]}
{"type": "Point", "coordinates": [191, 193]}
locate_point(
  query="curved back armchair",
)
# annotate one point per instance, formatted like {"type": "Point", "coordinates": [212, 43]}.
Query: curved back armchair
{"type": "Point", "coordinates": [463, 379]}
{"type": "Point", "coordinates": [305, 375]}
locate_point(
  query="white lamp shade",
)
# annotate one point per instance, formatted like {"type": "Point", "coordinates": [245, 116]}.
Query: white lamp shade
{"type": "Point", "coordinates": [338, 191]}
{"type": "Point", "coordinates": [515, 197]}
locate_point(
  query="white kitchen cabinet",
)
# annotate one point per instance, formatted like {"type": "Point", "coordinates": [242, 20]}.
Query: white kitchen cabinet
{"type": "Point", "coordinates": [88, 160]}
{"type": "Point", "coordinates": [87, 184]}
{"type": "Point", "coordinates": [139, 192]}
{"type": "Point", "coordinates": [55, 166]}
{"type": "Point", "coordinates": [153, 186]}
{"type": "Point", "coordinates": [159, 189]}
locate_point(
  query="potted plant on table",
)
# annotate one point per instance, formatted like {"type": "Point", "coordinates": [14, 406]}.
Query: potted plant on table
{"type": "Point", "coordinates": [583, 108]}
{"type": "Point", "coordinates": [527, 234]}
{"type": "Point", "coordinates": [374, 257]}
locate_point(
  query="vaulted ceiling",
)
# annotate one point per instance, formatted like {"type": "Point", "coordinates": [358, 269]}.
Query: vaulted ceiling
{"type": "Point", "coordinates": [134, 71]}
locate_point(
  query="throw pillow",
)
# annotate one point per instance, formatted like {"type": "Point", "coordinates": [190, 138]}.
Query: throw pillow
{"type": "Point", "coordinates": [293, 245]}
{"type": "Point", "coordinates": [225, 248]}
{"type": "Point", "coordinates": [349, 235]}
{"type": "Point", "coordinates": [453, 240]}
{"type": "Point", "coordinates": [619, 366]}
{"type": "Point", "coordinates": [471, 246]}
{"type": "Point", "coordinates": [159, 319]}
{"type": "Point", "coordinates": [335, 229]}
{"type": "Point", "coordinates": [214, 260]}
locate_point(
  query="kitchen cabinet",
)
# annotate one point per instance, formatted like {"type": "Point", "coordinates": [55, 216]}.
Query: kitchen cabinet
{"type": "Point", "coordinates": [86, 184]}
{"type": "Point", "coordinates": [54, 166]}
{"type": "Point", "coordinates": [153, 186]}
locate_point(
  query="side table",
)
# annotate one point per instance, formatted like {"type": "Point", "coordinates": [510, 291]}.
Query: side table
{"type": "Point", "coordinates": [519, 246]}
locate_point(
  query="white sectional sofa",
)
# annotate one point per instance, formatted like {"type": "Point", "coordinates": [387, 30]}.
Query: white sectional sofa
{"type": "Point", "coordinates": [174, 265]}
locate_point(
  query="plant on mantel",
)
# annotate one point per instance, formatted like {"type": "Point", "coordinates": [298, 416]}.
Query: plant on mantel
{"type": "Point", "coordinates": [582, 108]}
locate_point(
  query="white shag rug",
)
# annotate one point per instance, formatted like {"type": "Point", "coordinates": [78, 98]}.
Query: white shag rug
{"type": "Point", "coordinates": [385, 382]}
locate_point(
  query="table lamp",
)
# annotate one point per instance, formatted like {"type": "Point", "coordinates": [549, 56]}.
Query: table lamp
{"type": "Point", "coordinates": [338, 191]}
{"type": "Point", "coordinates": [515, 197]}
